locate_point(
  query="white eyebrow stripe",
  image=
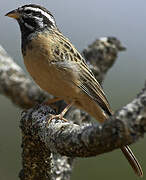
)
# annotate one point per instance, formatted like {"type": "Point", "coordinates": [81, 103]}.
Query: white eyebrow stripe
{"type": "Point", "coordinates": [42, 12]}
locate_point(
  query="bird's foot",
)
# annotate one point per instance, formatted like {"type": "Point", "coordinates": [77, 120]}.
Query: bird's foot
{"type": "Point", "coordinates": [59, 116]}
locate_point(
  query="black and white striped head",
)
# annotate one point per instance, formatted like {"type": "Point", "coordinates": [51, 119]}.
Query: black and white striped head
{"type": "Point", "coordinates": [32, 18]}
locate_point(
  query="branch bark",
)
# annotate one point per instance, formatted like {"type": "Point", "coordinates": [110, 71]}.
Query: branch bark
{"type": "Point", "coordinates": [57, 143]}
{"type": "Point", "coordinates": [86, 140]}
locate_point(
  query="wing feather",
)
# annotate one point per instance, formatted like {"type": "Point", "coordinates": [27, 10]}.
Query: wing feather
{"type": "Point", "coordinates": [85, 78]}
{"type": "Point", "coordinates": [93, 89]}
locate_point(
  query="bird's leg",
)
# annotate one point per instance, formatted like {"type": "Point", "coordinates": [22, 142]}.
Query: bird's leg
{"type": "Point", "coordinates": [60, 116]}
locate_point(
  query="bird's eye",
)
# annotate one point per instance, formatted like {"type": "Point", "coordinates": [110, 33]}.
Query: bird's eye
{"type": "Point", "coordinates": [28, 11]}
{"type": "Point", "coordinates": [38, 14]}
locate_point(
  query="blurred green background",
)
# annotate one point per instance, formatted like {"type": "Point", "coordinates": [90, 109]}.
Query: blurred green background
{"type": "Point", "coordinates": [82, 22]}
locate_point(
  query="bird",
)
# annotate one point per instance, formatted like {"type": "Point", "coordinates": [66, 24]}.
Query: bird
{"type": "Point", "coordinates": [59, 69]}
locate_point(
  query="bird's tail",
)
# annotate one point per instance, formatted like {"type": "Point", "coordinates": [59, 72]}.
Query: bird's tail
{"type": "Point", "coordinates": [94, 110]}
{"type": "Point", "coordinates": [132, 160]}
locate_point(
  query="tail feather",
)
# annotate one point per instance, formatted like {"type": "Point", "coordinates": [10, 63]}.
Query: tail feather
{"type": "Point", "coordinates": [96, 111]}
{"type": "Point", "coordinates": [132, 160]}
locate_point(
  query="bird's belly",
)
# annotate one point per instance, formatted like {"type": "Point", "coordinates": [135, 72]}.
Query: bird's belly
{"type": "Point", "coordinates": [50, 79]}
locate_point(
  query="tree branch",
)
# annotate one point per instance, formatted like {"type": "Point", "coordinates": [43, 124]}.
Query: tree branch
{"type": "Point", "coordinates": [69, 139]}
{"type": "Point", "coordinates": [52, 139]}
{"type": "Point", "coordinates": [101, 55]}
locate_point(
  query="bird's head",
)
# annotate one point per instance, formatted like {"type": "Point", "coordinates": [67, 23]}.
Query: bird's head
{"type": "Point", "coordinates": [32, 18]}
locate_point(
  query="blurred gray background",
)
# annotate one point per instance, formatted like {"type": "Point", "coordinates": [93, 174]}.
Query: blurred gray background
{"type": "Point", "coordinates": [82, 22]}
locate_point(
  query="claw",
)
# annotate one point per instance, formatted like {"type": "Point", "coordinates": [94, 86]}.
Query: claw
{"type": "Point", "coordinates": [59, 116]}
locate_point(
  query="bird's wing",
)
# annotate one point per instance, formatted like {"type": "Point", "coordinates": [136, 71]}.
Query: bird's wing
{"type": "Point", "coordinates": [89, 84]}
{"type": "Point", "coordinates": [85, 78]}
{"type": "Point", "coordinates": [92, 88]}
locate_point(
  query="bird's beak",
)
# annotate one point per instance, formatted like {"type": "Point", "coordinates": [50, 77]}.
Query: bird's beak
{"type": "Point", "coordinates": [13, 14]}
